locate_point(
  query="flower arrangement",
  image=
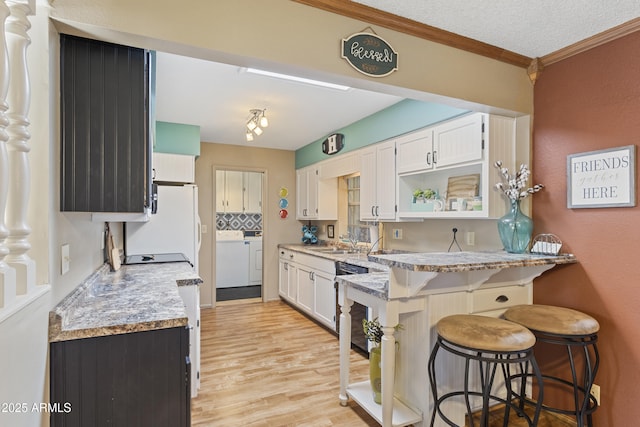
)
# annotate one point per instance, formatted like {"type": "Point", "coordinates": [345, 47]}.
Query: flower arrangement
{"type": "Point", "coordinates": [373, 330]}
{"type": "Point", "coordinates": [514, 186]}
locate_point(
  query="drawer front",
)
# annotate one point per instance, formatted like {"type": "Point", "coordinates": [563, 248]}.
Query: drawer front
{"type": "Point", "coordinates": [499, 298]}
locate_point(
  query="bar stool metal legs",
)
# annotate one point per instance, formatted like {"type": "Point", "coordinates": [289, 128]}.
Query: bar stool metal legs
{"type": "Point", "coordinates": [494, 346]}
{"type": "Point", "coordinates": [577, 333]}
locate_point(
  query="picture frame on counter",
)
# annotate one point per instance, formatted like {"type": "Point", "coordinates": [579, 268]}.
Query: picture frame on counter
{"type": "Point", "coordinates": [602, 179]}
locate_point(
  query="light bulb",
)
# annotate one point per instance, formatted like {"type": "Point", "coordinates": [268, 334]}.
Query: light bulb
{"type": "Point", "coordinates": [249, 136]}
{"type": "Point", "coordinates": [251, 125]}
{"type": "Point", "coordinates": [257, 131]}
{"type": "Point", "coordinates": [263, 121]}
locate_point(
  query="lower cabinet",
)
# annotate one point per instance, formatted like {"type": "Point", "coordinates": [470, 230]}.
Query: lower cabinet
{"type": "Point", "coordinates": [308, 283]}
{"type": "Point", "coordinates": [136, 379]}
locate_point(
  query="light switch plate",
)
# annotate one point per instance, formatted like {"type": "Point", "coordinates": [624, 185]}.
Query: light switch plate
{"type": "Point", "coordinates": [64, 258]}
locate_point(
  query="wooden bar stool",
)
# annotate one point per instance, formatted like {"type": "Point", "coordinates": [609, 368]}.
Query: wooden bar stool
{"type": "Point", "coordinates": [491, 343]}
{"type": "Point", "coordinates": [578, 333]}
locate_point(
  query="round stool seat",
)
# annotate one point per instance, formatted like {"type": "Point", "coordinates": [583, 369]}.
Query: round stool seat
{"type": "Point", "coordinates": [553, 320]}
{"type": "Point", "coordinates": [485, 333]}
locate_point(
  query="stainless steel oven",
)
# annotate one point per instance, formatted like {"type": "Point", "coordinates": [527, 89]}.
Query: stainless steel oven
{"type": "Point", "coordinates": [358, 311]}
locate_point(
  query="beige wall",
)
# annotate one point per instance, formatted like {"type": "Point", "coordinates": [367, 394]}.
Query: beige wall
{"type": "Point", "coordinates": [279, 171]}
{"type": "Point", "coordinates": [308, 45]}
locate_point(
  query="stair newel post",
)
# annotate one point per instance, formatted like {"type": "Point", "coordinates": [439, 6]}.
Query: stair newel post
{"type": "Point", "coordinates": [19, 97]}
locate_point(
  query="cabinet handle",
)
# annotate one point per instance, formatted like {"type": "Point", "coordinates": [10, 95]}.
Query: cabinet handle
{"type": "Point", "coordinates": [377, 210]}
{"type": "Point", "coordinates": [502, 298]}
{"type": "Point", "coordinates": [286, 266]}
{"type": "Point", "coordinates": [290, 255]}
{"type": "Point", "coordinates": [372, 211]}
{"type": "Point", "coordinates": [429, 158]}
{"type": "Point", "coordinates": [435, 157]}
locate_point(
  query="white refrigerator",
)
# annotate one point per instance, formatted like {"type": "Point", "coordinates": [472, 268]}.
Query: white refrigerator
{"type": "Point", "coordinates": [175, 227]}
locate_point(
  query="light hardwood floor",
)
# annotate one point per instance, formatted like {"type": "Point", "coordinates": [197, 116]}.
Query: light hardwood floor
{"type": "Point", "coordinates": [267, 365]}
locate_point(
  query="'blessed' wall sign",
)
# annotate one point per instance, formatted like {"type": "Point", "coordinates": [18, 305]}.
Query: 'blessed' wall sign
{"type": "Point", "coordinates": [369, 54]}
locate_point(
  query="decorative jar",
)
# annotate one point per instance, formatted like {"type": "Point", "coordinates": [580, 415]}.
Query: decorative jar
{"type": "Point", "coordinates": [515, 229]}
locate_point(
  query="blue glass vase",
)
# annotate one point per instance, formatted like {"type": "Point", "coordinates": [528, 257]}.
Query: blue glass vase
{"type": "Point", "coordinates": [515, 229]}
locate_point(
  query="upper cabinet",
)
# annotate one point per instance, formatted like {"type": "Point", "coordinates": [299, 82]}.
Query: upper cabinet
{"type": "Point", "coordinates": [459, 169]}
{"type": "Point", "coordinates": [378, 182]}
{"type": "Point", "coordinates": [316, 198]}
{"type": "Point", "coordinates": [238, 191]}
{"type": "Point", "coordinates": [174, 168]}
{"type": "Point", "coordinates": [454, 142]}
{"type": "Point", "coordinates": [106, 147]}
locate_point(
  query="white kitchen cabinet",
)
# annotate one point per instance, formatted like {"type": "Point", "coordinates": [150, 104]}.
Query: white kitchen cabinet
{"type": "Point", "coordinates": [415, 151]}
{"type": "Point", "coordinates": [316, 198]}
{"type": "Point", "coordinates": [324, 308]}
{"type": "Point", "coordinates": [378, 182]}
{"type": "Point", "coordinates": [307, 283]}
{"type": "Point", "coordinates": [305, 288]}
{"type": "Point", "coordinates": [238, 191]}
{"type": "Point", "coordinates": [169, 167]}
{"type": "Point", "coordinates": [229, 191]}
{"type": "Point", "coordinates": [462, 147]}
{"type": "Point", "coordinates": [454, 142]}
{"type": "Point", "coordinates": [253, 192]}
{"type": "Point", "coordinates": [458, 141]}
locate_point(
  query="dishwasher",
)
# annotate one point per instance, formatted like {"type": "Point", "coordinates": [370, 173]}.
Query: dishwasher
{"type": "Point", "coordinates": [358, 311]}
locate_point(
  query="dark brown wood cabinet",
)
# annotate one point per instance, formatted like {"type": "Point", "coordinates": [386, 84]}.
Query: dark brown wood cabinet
{"type": "Point", "coordinates": [137, 379]}
{"type": "Point", "coordinates": [106, 147]}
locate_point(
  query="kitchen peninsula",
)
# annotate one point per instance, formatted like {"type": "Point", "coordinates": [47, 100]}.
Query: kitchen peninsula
{"type": "Point", "coordinates": [120, 348]}
{"type": "Point", "coordinates": [420, 289]}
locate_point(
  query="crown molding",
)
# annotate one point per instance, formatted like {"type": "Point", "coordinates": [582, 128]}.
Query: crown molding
{"type": "Point", "coordinates": [593, 41]}
{"type": "Point", "coordinates": [407, 26]}
{"type": "Point", "coordinates": [388, 20]}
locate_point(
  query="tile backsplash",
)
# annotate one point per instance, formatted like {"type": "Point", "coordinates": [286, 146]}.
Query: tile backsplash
{"type": "Point", "coordinates": [238, 221]}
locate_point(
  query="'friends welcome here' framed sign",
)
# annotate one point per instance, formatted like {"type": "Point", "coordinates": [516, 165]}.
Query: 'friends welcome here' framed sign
{"type": "Point", "coordinates": [602, 179]}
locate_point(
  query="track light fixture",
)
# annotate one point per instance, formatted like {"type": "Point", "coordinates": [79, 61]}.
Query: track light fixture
{"type": "Point", "coordinates": [255, 123]}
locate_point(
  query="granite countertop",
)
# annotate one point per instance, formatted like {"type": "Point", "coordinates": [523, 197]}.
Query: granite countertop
{"type": "Point", "coordinates": [133, 299]}
{"type": "Point", "coordinates": [356, 258]}
{"type": "Point", "coordinates": [447, 262]}
{"type": "Point", "coordinates": [376, 284]}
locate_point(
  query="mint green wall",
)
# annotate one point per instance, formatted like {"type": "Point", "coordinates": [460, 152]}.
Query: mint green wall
{"type": "Point", "coordinates": [176, 138]}
{"type": "Point", "coordinates": [405, 116]}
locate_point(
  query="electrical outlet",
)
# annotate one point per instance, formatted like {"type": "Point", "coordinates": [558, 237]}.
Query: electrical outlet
{"type": "Point", "coordinates": [397, 233]}
{"type": "Point", "coordinates": [65, 260]}
{"type": "Point", "coordinates": [470, 238]}
{"type": "Point", "coordinates": [595, 392]}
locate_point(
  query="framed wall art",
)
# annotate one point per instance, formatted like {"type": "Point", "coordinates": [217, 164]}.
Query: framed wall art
{"type": "Point", "coordinates": [602, 179]}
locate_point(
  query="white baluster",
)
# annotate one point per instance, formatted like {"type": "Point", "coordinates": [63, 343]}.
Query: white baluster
{"type": "Point", "coordinates": [7, 274]}
{"type": "Point", "coordinates": [19, 97]}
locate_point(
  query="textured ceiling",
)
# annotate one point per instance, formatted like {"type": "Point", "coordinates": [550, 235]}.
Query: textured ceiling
{"type": "Point", "coordinates": [530, 28]}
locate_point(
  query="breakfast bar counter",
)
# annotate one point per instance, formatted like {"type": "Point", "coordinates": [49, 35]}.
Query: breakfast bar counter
{"type": "Point", "coordinates": [419, 290]}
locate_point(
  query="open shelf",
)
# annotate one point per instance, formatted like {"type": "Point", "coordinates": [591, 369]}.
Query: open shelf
{"type": "Point", "coordinates": [402, 414]}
